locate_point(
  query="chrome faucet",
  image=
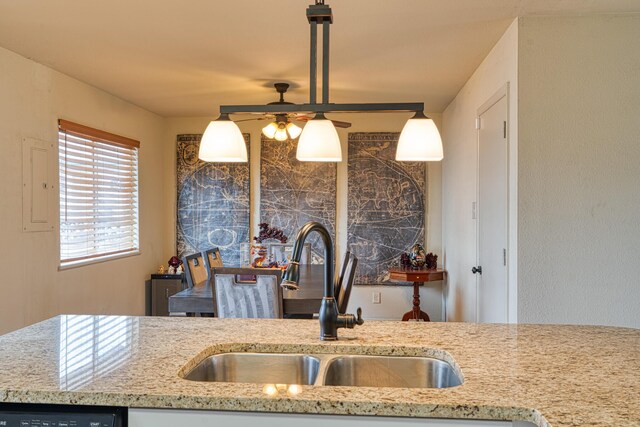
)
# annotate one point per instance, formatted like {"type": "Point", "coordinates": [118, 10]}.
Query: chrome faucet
{"type": "Point", "coordinates": [330, 319]}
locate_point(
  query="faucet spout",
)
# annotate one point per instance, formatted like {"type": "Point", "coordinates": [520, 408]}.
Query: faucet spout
{"type": "Point", "coordinates": [330, 319]}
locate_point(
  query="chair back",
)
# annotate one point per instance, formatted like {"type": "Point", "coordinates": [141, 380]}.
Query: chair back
{"type": "Point", "coordinates": [195, 269]}
{"type": "Point", "coordinates": [346, 282]}
{"type": "Point", "coordinates": [212, 258]}
{"type": "Point", "coordinates": [338, 277]}
{"type": "Point", "coordinates": [258, 298]}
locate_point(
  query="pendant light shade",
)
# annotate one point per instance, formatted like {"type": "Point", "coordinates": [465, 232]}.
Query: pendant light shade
{"type": "Point", "coordinates": [419, 141]}
{"type": "Point", "coordinates": [223, 142]}
{"type": "Point", "coordinates": [319, 142]}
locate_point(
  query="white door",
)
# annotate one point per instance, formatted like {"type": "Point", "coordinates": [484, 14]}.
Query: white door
{"type": "Point", "coordinates": [491, 282]}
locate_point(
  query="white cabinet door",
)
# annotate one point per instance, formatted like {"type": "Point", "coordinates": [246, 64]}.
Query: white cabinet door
{"type": "Point", "coordinates": [175, 417]}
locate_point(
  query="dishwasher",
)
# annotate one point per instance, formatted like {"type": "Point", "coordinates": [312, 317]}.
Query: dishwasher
{"type": "Point", "coordinates": [44, 415]}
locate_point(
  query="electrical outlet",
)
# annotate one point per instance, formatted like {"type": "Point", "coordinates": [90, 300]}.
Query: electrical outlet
{"type": "Point", "coordinates": [376, 298]}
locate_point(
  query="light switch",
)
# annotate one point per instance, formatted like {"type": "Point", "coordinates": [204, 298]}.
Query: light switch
{"type": "Point", "coordinates": [376, 298]}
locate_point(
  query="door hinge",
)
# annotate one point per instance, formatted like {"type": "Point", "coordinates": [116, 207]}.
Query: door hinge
{"type": "Point", "coordinates": [504, 129]}
{"type": "Point", "coordinates": [504, 257]}
{"type": "Point", "coordinates": [477, 123]}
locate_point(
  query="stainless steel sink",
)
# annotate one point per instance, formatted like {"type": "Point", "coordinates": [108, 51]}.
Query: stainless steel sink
{"type": "Point", "coordinates": [262, 368]}
{"type": "Point", "coordinates": [326, 369]}
{"type": "Point", "coordinates": [385, 371]}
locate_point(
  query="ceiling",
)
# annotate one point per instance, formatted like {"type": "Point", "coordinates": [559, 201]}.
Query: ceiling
{"type": "Point", "coordinates": [186, 58]}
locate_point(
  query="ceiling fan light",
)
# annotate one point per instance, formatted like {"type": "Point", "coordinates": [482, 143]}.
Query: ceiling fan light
{"type": "Point", "coordinates": [270, 130]}
{"type": "Point", "coordinates": [419, 141]}
{"type": "Point", "coordinates": [294, 131]}
{"type": "Point", "coordinates": [281, 134]}
{"type": "Point", "coordinates": [319, 142]}
{"type": "Point", "coordinates": [223, 142]}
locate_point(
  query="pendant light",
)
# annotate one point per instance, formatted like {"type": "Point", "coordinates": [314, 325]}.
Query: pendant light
{"type": "Point", "coordinates": [222, 141]}
{"type": "Point", "coordinates": [319, 141]}
{"type": "Point", "coordinates": [419, 140]}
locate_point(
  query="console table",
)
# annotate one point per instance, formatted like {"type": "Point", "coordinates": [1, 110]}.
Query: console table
{"type": "Point", "coordinates": [418, 277]}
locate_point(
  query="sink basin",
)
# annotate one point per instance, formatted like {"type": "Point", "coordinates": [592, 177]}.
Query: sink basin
{"type": "Point", "coordinates": [262, 368]}
{"type": "Point", "coordinates": [385, 371]}
{"type": "Point", "coordinates": [326, 369]}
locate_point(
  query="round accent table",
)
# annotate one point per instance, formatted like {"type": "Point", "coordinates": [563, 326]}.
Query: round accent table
{"type": "Point", "coordinates": [418, 277]}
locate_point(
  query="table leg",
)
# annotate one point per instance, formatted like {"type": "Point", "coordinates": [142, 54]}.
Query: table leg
{"type": "Point", "coordinates": [416, 313]}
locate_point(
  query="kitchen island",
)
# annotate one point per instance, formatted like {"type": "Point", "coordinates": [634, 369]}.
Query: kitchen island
{"type": "Point", "coordinates": [549, 375]}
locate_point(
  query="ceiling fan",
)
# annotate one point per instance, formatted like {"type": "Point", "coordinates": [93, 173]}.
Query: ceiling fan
{"type": "Point", "coordinates": [281, 126]}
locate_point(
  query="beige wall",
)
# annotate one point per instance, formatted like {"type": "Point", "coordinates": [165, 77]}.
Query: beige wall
{"type": "Point", "coordinates": [395, 301]}
{"type": "Point", "coordinates": [32, 99]}
{"type": "Point", "coordinates": [579, 170]}
{"type": "Point", "coordinates": [460, 176]}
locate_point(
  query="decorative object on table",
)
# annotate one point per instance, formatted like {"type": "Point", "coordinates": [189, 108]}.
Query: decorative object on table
{"type": "Point", "coordinates": [180, 269]}
{"type": "Point", "coordinates": [174, 262]}
{"type": "Point", "coordinates": [417, 256]}
{"type": "Point", "coordinates": [161, 269]}
{"type": "Point", "coordinates": [386, 204]}
{"type": "Point", "coordinates": [294, 192]}
{"type": "Point", "coordinates": [405, 262]}
{"type": "Point", "coordinates": [213, 202]}
{"type": "Point", "coordinates": [431, 261]}
{"type": "Point", "coordinates": [269, 233]}
{"type": "Point", "coordinates": [259, 255]}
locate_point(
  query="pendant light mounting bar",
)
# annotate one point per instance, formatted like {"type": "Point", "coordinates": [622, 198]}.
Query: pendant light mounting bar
{"type": "Point", "coordinates": [389, 107]}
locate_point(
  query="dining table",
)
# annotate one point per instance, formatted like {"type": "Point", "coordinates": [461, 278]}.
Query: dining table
{"type": "Point", "coordinates": [198, 300]}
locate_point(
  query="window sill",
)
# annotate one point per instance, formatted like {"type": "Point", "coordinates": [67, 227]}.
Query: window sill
{"type": "Point", "coordinates": [96, 260]}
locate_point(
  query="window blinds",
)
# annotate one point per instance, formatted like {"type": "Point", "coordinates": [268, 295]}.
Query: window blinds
{"type": "Point", "coordinates": [98, 194]}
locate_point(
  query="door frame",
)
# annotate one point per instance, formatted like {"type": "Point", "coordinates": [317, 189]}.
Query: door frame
{"type": "Point", "coordinates": [503, 92]}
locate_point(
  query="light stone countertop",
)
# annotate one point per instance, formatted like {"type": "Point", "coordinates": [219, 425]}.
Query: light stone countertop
{"type": "Point", "coordinates": [548, 374]}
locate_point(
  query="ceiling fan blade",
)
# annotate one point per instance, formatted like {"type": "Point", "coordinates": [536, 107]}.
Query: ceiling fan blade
{"type": "Point", "coordinates": [339, 124]}
{"type": "Point", "coordinates": [254, 118]}
{"type": "Point", "coordinates": [336, 123]}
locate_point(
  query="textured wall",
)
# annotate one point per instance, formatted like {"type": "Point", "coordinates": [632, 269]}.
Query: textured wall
{"type": "Point", "coordinates": [579, 170]}
{"type": "Point", "coordinates": [33, 98]}
{"type": "Point", "coordinates": [460, 176]}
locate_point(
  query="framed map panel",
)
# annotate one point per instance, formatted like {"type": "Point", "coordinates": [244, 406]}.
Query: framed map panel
{"type": "Point", "coordinates": [386, 204]}
{"type": "Point", "coordinates": [213, 202]}
{"type": "Point", "coordinates": [293, 192]}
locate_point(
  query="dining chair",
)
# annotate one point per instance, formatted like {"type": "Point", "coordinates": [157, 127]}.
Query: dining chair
{"type": "Point", "coordinates": [345, 282]}
{"type": "Point", "coordinates": [234, 296]}
{"type": "Point", "coordinates": [339, 276]}
{"type": "Point", "coordinates": [212, 258]}
{"type": "Point", "coordinates": [195, 269]}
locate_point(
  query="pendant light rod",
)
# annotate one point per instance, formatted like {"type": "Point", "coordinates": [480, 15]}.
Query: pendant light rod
{"type": "Point", "coordinates": [325, 61]}
{"type": "Point", "coordinates": [319, 13]}
{"type": "Point", "coordinates": [313, 62]}
{"type": "Point", "coordinates": [385, 107]}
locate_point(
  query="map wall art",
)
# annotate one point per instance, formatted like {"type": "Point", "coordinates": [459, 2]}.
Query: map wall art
{"type": "Point", "coordinates": [293, 192]}
{"type": "Point", "coordinates": [213, 202]}
{"type": "Point", "coordinates": [386, 204]}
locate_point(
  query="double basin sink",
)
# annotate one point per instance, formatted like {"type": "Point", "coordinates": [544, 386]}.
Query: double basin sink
{"type": "Point", "coordinates": [326, 370]}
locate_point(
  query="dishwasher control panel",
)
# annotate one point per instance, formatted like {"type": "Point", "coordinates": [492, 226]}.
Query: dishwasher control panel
{"type": "Point", "coordinates": [26, 415]}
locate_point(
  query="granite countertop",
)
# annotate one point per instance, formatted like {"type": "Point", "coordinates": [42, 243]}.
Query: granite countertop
{"type": "Point", "coordinates": [548, 374]}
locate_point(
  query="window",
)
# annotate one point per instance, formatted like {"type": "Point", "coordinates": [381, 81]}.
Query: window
{"type": "Point", "coordinates": [98, 195]}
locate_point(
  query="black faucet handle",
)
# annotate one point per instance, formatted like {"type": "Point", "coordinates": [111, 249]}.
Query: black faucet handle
{"type": "Point", "coordinates": [359, 320]}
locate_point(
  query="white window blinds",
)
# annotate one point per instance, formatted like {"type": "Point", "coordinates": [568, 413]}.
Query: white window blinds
{"type": "Point", "coordinates": [98, 194]}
